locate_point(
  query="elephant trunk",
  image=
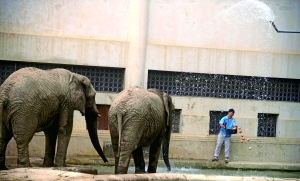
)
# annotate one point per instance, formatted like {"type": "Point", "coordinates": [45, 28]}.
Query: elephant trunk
{"type": "Point", "coordinates": [165, 148]}
{"type": "Point", "coordinates": [91, 122]}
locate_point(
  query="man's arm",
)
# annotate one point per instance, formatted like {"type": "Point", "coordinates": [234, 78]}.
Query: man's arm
{"type": "Point", "coordinates": [234, 123]}
{"type": "Point", "coordinates": [221, 123]}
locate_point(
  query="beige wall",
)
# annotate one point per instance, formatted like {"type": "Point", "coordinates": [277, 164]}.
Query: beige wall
{"type": "Point", "coordinates": [69, 32]}
{"type": "Point", "coordinates": [229, 24]}
{"type": "Point", "coordinates": [93, 19]}
{"type": "Point", "coordinates": [224, 37]}
{"type": "Point", "coordinates": [208, 36]}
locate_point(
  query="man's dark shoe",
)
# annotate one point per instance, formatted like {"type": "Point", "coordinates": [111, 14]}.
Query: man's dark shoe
{"type": "Point", "coordinates": [215, 159]}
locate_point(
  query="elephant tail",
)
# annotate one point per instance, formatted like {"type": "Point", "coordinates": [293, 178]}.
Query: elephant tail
{"type": "Point", "coordinates": [2, 102]}
{"type": "Point", "coordinates": [5, 89]}
{"type": "Point", "coordinates": [120, 127]}
{"type": "Point", "coordinates": [165, 148]}
{"type": "Point", "coordinates": [1, 110]}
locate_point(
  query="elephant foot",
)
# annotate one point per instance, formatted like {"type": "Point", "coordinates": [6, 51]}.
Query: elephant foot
{"type": "Point", "coordinates": [122, 170]}
{"type": "Point", "coordinates": [151, 170]}
{"type": "Point", "coordinates": [60, 165]}
{"type": "Point", "coordinates": [3, 167]}
{"type": "Point", "coordinates": [48, 164]}
{"type": "Point", "coordinates": [20, 165]}
{"type": "Point", "coordinates": [139, 171]}
{"type": "Point", "coordinates": [60, 162]}
{"type": "Point", "coordinates": [23, 162]}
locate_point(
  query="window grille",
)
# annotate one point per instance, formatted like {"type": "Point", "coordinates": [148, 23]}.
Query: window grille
{"type": "Point", "coordinates": [214, 119]}
{"type": "Point", "coordinates": [225, 86]}
{"type": "Point", "coordinates": [176, 120]}
{"type": "Point", "coordinates": [266, 125]}
{"type": "Point", "coordinates": [103, 79]}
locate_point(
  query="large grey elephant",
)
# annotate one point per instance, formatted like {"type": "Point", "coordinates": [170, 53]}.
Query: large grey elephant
{"type": "Point", "coordinates": [137, 118]}
{"type": "Point", "coordinates": [34, 100]}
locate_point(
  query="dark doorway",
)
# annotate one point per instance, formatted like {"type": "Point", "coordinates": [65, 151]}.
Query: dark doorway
{"type": "Point", "coordinates": [103, 120]}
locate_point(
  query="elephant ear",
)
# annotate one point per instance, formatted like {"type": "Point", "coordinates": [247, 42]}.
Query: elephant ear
{"type": "Point", "coordinates": [88, 90]}
{"type": "Point", "coordinates": [169, 107]}
{"type": "Point", "coordinates": [78, 92]}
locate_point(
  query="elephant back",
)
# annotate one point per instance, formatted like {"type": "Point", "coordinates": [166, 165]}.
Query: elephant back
{"type": "Point", "coordinates": [41, 91]}
{"type": "Point", "coordinates": [137, 103]}
{"type": "Point", "coordinates": [135, 98]}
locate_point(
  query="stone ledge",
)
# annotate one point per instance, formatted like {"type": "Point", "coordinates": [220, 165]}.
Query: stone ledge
{"type": "Point", "coordinates": [278, 166]}
{"type": "Point", "coordinates": [72, 172]}
{"type": "Point", "coordinates": [50, 174]}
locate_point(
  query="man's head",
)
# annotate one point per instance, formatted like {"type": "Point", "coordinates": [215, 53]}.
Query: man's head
{"type": "Point", "coordinates": [230, 112]}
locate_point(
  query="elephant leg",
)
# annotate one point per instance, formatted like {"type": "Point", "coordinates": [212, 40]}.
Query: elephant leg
{"type": "Point", "coordinates": [114, 142]}
{"type": "Point", "coordinates": [124, 158]}
{"type": "Point", "coordinates": [129, 142]}
{"type": "Point", "coordinates": [117, 157]}
{"type": "Point", "coordinates": [154, 154]}
{"type": "Point", "coordinates": [23, 135]}
{"type": "Point", "coordinates": [139, 161]}
{"type": "Point", "coordinates": [4, 139]}
{"type": "Point", "coordinates": [65, 127]}
{"type": "Point", "coordinates": [50, 137]}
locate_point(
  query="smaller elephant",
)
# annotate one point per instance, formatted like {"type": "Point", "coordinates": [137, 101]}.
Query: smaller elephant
{"type": "Point", "coordinates": [34, 100]}
{"type": "Point", "coordinates": [138, 118]}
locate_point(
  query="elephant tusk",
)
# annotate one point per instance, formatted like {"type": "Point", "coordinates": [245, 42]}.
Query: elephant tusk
{"type": "Point", "coordinates": [99, 115]}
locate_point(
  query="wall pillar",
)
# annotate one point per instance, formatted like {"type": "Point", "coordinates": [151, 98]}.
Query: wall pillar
{"type": "Point", "coordinates": [137, 37]}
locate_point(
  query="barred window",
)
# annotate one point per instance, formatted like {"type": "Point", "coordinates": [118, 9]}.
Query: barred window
{"type": "Point", "coordinates": [176, 120]}
{"type": "Point", "coordinates": [214, 119]}
{"type": "Point", "coordinates": [266, 125]}
{"type": "Point", "coordinates": [225, 86]}
{"type": "Point", "coordinates": [103, 79]}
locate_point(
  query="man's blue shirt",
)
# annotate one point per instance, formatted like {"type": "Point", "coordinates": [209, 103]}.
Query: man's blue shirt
{"type": "Point", "coordinates": [229, 123]}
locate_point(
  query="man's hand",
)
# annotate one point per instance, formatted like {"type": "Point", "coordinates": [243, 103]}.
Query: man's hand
{"type": "Point", "coordinates": [221, 125]}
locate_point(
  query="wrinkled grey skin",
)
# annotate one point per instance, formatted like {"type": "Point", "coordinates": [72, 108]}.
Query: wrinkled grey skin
{"type": "Point", "coordinates": [34, 100]}
{"type": "Point", "coordinates": [137, 118]}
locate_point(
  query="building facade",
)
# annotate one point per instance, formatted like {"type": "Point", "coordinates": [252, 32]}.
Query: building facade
{"type": "Point", "coordinates": [209, 55]}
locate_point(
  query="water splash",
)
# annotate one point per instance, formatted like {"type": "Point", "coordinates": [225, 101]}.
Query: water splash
{"type": "Point", "coordinates": [250, 11]}
{"type": "Point", "coordinates": [243, 25]}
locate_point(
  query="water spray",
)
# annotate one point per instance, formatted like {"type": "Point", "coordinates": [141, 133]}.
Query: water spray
{"type": "Point", "coordinates": [282, 31]}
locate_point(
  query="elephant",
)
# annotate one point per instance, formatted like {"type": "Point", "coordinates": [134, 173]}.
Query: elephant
{"type": "Point", "coordinates": [34, 100]}
{"type": "Point", "coordinates": [137, 118]}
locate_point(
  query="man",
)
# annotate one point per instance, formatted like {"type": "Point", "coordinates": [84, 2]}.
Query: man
{"type": "Point", "coordinates": [227, 122]}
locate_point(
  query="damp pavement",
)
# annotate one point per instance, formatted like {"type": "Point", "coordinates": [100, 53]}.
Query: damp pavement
{"type": "Point", "coordinates": [80, 168]}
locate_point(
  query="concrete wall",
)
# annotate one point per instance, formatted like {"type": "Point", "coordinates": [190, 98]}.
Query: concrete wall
{"type": "Point", "coordinates": [210, 36]}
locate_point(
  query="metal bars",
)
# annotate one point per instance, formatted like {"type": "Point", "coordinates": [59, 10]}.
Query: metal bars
{"type": "Point", "coordinates": [225, 86]}
{"type": "Point", "coordinates": [103, 79]}
{"type": "Point", "coordinates": [266, 125]}
{"type": "Point", "coordinates": [215, 117]}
